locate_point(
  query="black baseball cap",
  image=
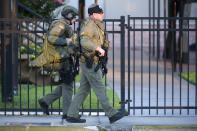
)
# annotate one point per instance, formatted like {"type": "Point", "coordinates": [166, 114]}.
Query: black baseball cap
{"type": "Point", "coordinates": [94, 8]}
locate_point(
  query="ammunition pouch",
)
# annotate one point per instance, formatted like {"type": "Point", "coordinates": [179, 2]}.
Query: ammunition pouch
{"type": "Point", "coordinates": [66, 76]}
{"type": "Point", "coordinates": [89, 59]}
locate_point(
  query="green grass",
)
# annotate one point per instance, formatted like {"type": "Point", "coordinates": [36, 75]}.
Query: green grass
{"type": "Point", "coordinates": [36, 93]}
{"type": "Point", "coordinates": [32, 91]}
{"type": "Point", "coordinates": [192, 76]}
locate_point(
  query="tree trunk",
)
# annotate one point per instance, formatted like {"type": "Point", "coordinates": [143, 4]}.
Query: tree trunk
{"type": "Point", "coordinates": [171, 36]}
{"type": "Point", "coordinates": [81, 9]}
{"type": "Point", "coordinates": [185, 44]}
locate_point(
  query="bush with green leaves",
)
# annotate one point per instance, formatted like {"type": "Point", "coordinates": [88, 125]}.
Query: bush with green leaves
{"type": "Point", "coordinates": [32, 46]}
{"type": "Point", "coordinates": [42, 7]}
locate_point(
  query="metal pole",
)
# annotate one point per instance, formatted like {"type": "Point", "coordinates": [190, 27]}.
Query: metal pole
{"type": "Point", "coordinates": [14, 12]}
{"type": "Point", "coordinates": [153, 27]}
{"type": "Point", "coordinates": [128, 63]}
{"type": "Point", "coordinates": [5, 56]}
{"type": "Point", "coordinates": [122, 46]}
{"type": "Point", "coordinates": [158, 33]}
{"type": "Point", "coordinates": [8, 10]}
{"type": "Point", "coordinates": [149, 8]}
{"type": "Point", "coordinates": [165, 58]}
{"type": "Point", "coordinates": [196, 75]}
{"type": "Point", "coordinates": [158, 54]}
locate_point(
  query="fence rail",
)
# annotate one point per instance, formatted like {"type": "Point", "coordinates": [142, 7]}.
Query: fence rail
{"type": "Point", "coordinates": [146, 60]}
{"type": "Point", "coordinates": [155, 84]}
{"type": "Point", "coordinates": [33, 83]}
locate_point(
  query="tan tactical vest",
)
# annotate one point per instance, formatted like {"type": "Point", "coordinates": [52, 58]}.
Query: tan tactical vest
{"type": "Point", "coordinates": [49, 57]}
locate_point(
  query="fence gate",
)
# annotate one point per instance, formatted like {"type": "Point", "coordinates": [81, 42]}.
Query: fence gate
{"type": "Point", "coordinates": [156, 69]}
{"type": "Point", "coordinates": [145, 72]}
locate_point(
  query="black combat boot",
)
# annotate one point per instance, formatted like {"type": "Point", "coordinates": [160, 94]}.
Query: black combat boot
{"type": "Point", "coordinates": [65, 116]}
{"type": "Point", "coordinates": [75, 120]}
{"type": "Point", "coordinates": [117, 116]}
{"type": "Point", "coordinates": [44, 106]}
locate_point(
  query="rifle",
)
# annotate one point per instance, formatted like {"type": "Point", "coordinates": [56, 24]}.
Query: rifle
{"type": "Point", "coordinates": [78, 54]}
{"type": "Point", "coordinates": [102, 63]}
{"type": "Point", "coordinates": [76, 61]}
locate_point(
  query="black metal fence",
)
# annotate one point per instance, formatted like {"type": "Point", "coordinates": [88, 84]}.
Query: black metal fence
{"type": "Point", "coordinates": [33, 83]}
{"type": "Point", "coordinates": [144, 70]}
{"type": "Point", "coordinates": [160, 51]}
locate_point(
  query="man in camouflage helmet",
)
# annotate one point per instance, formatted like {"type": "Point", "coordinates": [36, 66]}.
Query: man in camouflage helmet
{"type": "Point", "coordinates": [92, 38]}
{"type": "Point", "coordinates": [60, 34]}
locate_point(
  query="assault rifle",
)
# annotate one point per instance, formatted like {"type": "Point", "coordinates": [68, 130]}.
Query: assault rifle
{"type": "Point", "coordinates": [102, 63]}
{"type": "Point", "coordinates": [76, 51]}
{"type": "Point", "coordinates": [78, 54]}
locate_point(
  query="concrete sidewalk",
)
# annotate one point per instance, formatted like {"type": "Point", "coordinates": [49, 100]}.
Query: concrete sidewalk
{"type": "Point", "coordinates": [95, 123]}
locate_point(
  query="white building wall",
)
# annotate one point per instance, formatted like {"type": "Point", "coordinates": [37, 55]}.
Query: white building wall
{"type": "Point", "coordinates": [134, 8]}
{"type": "Point", "coordinates": [117, 8]}
{"type": "Point", "coordinates": [138, 8]}
{"type": "Point", "coordinates": [75, 4]}
{"type": "Point", "coordinates": [194, 10]}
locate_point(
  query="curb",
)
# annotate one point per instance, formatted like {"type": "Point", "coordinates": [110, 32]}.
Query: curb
{"type": "Point", "coordinates": [165, 128]}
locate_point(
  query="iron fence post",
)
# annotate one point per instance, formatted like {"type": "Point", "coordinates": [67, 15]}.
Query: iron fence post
{"type": "Point", "coordinates": [122, 66]}
{"type": "Point", "coordinates": [9, 50]}
{"type": "Point", "coordinates": [196, 70]}
{"type": "Point", "coordinates": [129, 46]}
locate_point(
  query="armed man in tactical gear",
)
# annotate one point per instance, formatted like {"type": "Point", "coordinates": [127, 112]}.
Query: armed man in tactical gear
{"type": "Point", "coordinates": [92, 40]}
{"type": "Point", "coordinates": [60, 36]}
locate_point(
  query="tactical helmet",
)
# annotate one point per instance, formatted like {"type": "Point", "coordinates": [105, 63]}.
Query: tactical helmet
{"type": "Point", "coordinates": [69, 12]}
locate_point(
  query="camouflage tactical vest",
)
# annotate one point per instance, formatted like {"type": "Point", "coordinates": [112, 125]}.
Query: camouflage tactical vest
{"type": "Point", "coordinates": [51, 55]}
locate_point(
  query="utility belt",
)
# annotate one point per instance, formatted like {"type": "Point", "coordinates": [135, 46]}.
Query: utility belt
{"type": "Point", "coordinates": [89, 58]}
{"type": "Point", "coordinates": [66, 76]}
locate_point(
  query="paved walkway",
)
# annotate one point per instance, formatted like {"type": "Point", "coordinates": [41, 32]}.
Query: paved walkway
{"type": "Point", "coordinates": [101, 122]}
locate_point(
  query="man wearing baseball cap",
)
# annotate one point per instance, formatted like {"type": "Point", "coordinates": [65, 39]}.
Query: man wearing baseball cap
{"type": "Point", "coordinates": [92, 38]}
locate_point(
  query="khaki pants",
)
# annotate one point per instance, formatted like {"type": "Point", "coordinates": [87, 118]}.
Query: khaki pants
{"type": "Point", "coordinates": [64, 90]}
{"type": "Point", "coordinates": [90, 79]}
